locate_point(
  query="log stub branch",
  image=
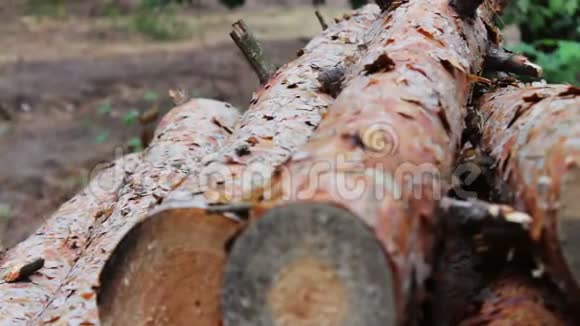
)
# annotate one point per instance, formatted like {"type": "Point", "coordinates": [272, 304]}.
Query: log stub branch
{"type": "Point", "coordinates": [476, 213]}
{"type": "Point", "coordinates": [466, 8]}
{"type": "Point", "coordinates": [500, 59]}
{"type": "Point", "coordinates": [331, 80]}
{"type": "Point", "coordinates": [253, 51]}
{"type": "Point", "coordinates": [321, 20]}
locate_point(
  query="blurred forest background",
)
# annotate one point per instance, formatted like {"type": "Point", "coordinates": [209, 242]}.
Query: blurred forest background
{"type": "Point", "coordinates": [80, 78]}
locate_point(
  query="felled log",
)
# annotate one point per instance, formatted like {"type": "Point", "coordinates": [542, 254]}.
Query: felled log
{"type": "Point", "coordinates": [58, 243]}
{"type": "Point", "coordinates": [193, 228]}
{"type": "Point", "coordinates": [383, 154]}
{"type": "Point", "coordinates": [185, 135]}
{"type": "Point", "coordinates": [516, 299]}
{"type": "Point", "coordinates": [481, 240]}
{"type": "Point", "coordinates": [533, 132]}
{"type": "Point", "coordinates": [282, 115]}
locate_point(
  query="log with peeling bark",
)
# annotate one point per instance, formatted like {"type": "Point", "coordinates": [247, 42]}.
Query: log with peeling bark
{"type": "Point", "coordinates": [184, 136]}
{"type": "Point", "coordinates": [59, 242]}
{"type": "Point", "coordinates": [193, 227]}
{"type": "Point", "coordinates": [516, 299]}
{"type": "Point", "coordinates": [533, 133]}
{"type": "Point", "coordinates": [383, 154]}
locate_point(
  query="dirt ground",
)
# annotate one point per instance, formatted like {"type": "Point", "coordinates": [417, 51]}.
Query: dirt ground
{"type": "Point", "coordinates": [70, 89]}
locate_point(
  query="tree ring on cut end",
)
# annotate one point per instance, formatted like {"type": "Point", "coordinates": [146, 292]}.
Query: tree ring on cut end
{"type": "Point", "coordinates": [308, 264]}
{"type": "Point", "coordinates": [167, 270]}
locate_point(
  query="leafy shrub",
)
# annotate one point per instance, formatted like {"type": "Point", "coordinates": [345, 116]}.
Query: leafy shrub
{"type": "Point", "coordinates": [560, 59]}
{"type": "Point", "coordinates": [550, 35]}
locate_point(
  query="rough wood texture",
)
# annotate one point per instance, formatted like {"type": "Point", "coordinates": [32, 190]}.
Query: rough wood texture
{"type": "Point", "coordinates": [533, 132]}
{"type": "Point", "coordinates": [290, 107]}
{"type": "Point", "coordinates": [185, 135]}
{"type": "Point", "coordinates": [387, 144]}
{"type": "Point", "coordinates": [514, 299]}
{"type": "Point", "coordinates": [253, 51]}
{"type": "Point", "coordinates": [59, 242]}
{"type": "Point", "coordinates": [281, 118]}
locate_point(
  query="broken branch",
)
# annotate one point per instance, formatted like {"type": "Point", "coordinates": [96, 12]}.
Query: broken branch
{"type": "Point", "coordinates": [321, 20]}
{"type": "Point", "coordinates": [500, 59]}
{"type": "Point", "coordinates": [253, 51]}
{"type": "Point", "coordinates": [476, 213]}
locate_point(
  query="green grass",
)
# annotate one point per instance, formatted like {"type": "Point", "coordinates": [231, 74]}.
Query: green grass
{"type": "Point", "coordinates": [160, 25]}
{"type": "Point", "coordinates": [47, 8]}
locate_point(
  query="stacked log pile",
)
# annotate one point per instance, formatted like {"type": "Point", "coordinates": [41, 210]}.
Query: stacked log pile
{"type": "Point", "coordinates": [326, 203]}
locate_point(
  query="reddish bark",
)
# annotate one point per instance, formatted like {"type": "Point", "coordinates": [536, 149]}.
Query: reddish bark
{"type": "Point", "coordinates": [402, 114]}
{"type": "Point", "coordinates": [533, 132]}
{"type": "Point", "coordinates": [59, 242]}
{"type": "Point", "coordinates": [517, 300]}
{"type": "Point", "coordinates": [282, 116]}
{"type": "Point", "coordinates": [176, 150]}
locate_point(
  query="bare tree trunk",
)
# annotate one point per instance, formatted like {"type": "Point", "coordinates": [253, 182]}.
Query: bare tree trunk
{"type": "Point", "coordinates": [176, 150]}
{"type": "Point", "coordinates": [533, 132]}
{"type": "Point", "coordinates": [383, 152]}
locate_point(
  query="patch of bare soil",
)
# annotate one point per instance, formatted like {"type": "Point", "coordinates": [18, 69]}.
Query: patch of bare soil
{"type": "Point", "coordinates": [61, 117]}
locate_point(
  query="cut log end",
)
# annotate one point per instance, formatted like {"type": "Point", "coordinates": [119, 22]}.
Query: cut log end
{"type": "Point", "coordinates": [167, 270]}
{"type": "Point", "coordinates": [466, 8]}
{"type": "Point", "coordinates": [569, 221]}
{"type": "Point", "coordinates": [307, 264]}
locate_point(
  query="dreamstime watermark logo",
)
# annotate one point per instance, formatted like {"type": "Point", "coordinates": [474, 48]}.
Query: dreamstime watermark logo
{"type": "Point", "coordinates": [381, 138]}
{"type": "Point", "coordinates": [345, 176]}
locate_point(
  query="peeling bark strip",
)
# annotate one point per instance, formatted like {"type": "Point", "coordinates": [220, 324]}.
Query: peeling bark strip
{"type": "Point", "coordinates": [533, 132]}
{"type": "Point", "coordinates": [59, 242]}
{"type": "Point", "coordinates": [517, 300]}
{"type": "Point", "coordinates": [185, 135]}
{"type": "Point", "coordinates": [401, 116]}
{"type": "Point", "coordinates": [282, 116]}
{"type": "Point", "coordinates": [253, 51]}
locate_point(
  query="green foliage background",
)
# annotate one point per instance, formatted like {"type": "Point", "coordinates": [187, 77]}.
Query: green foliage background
{"type": "Point", "coordinates": [550, 35]}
